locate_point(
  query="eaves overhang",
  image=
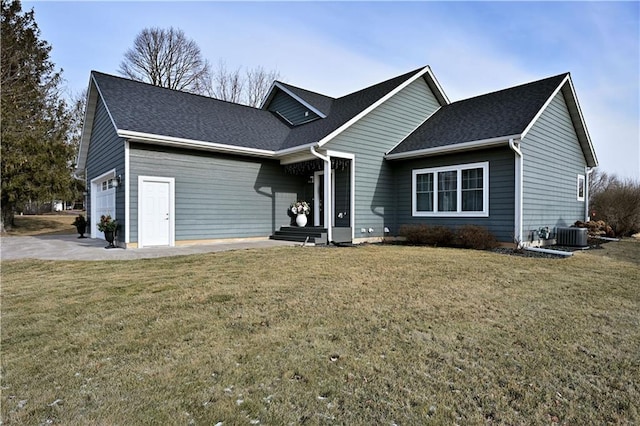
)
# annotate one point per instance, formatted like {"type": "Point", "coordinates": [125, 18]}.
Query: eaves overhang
{"type": "Point", "coordinates": [453, 148]}
{"type": "Point", "coordinates": [193, 144]}
{"type": "Point", "coordinates": [575, 112]}
{"type": "Point", "coordinates": [278, 85]}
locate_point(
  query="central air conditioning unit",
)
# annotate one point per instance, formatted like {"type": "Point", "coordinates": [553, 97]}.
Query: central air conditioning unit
{"type": "Point", "coordinates": [576, 237]}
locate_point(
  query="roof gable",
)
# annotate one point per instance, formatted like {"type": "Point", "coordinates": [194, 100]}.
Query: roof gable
{"type": "Point", "coordinates": [292, 110]}
{"type": "Point", "coordinates": [348, 109]}
{"type": "Point", "coordinates": [494, 117]}
{"type": "Point", "coordinates": [317, 103]}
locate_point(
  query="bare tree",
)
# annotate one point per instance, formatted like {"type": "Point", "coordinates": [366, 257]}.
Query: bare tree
{"type": "Point", "coordinates": [599, 181]}
{"type": "Point", "coordinates": [227, 85]}
{"type": "Point", "coordinates": [249, 89]}
{"type": "Point", "coordinates": [616, 201]}
{"type": "Point", "coordinates": [257, 85]}
{"type": "Point", "coordinates": [166, 58]}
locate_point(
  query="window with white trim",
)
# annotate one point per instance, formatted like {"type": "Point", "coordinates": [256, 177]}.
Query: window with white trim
{"type": "Point", "coordinates": [460, 190]}
{"type": "Point", "coordinates": [107, 184]}
{"type": "Point", "coordinates": [581, 188]}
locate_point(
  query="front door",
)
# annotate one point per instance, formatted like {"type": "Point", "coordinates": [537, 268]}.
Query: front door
{"type": "Point", "coordinates": [341, 202]}
{"type": "Point", "coordinates": [155, 221]}
{"type": "Point", "coordinates": [318, 199]}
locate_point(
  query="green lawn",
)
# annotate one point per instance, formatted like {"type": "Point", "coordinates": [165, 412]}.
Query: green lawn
{"type": "Point", "coordinates": [366, 335]}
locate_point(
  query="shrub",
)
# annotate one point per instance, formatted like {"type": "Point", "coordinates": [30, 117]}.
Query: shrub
{"type": "Point", "coordinates": [427, 235]}
{"type": "Point", "coordinates": [476, 237]}
{"type": "Point", "coordinates": [617, 202]}
{"type": "Point", "coordinates": [596, 228]}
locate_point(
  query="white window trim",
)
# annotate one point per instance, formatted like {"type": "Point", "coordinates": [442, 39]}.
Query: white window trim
{"type": "Point", "coordinates": [584, 187]}
{"type": "Point", "coordinates": [458, 169]}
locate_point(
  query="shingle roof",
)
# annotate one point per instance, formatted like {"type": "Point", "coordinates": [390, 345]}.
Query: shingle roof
{"type": "Point", "coordinates": [145, 108]}
{"type": "Point", "coordinates": [503, 113]}
{"type": "Point", "coordinates": [343, 110]}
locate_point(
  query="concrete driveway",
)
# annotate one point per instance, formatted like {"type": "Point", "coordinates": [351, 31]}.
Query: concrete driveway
{"type": "Point", "coordinates": [70, 247]}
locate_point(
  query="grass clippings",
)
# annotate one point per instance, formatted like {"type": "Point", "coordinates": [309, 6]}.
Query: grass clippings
{"type": "Point", "coordinates": [371, 335]}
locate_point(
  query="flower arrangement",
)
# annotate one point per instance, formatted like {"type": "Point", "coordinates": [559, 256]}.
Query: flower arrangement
{"type": "Point", "coordinates": [107, 224]}
{"type": "Point", "coordinates": [300, 207]}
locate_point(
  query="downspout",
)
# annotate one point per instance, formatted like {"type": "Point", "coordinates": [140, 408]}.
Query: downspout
{"type": "Point", "coordinates": [587, 171]}
{"type": "Point", "coordinates": [327, 191]}
{"type": "Point", "coordinates": [518, 192]}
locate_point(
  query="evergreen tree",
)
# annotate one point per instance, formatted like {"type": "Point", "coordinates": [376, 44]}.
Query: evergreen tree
{"type": "Point", "coordinates": [37, 160]}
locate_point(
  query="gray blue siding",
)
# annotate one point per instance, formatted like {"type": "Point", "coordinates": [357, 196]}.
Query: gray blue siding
{"type": "Point", "coordinates": [216, 196]}
{"type": "Point", "coordinates": [106, 152]}
{"type": "Point", "coordinates": [291, 109]}
{"type": "Point", "coordinates": [369, 139]}
{"type": "Point", "coordinates": [552, 161]}
{"type": "Point", "coordinates": [501, 191]}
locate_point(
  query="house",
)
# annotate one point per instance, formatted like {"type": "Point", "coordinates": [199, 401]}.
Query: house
{"type": "Point", "coordinates": [177, 168]}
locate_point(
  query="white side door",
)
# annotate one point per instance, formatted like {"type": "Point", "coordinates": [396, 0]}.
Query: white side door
{"type": "Point", "coordinates": [155, 211]}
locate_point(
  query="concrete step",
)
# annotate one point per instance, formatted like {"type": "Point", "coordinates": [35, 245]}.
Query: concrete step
{"type": "Point", "coordinates": [310, 234]}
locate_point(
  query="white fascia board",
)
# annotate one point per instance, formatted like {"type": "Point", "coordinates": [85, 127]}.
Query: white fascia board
{"type": "Point", "coordinates": [93, 96]}
{"type": "Point", "coordinates": [293, 150]}
{"type": "Point", "coordinates": [572, 103]}
{"type": "Point", "coordinates": [583, 124]}
{"type": "Point", "coordinates": [270, 94]}
{"type": "Point", "coordinates": [87, 124]}
{"type": "Point", "coordinates": [193, 144]}
{"type": "Point", "coordinates": [303, 156]}
{"type": "Point", "coordinates": [436, 83]}
{"type": "Point", "coordinates": [544, 107]}
{"type": "Point", "coordinates": [340, 154]}
{"type": "Point", "coordinates": [299, 99]}
{"type": "Point", "coordinates": [371, 107]}
{"type": "Point", "coordinates": [484, 143]}
{"type": "Point", "coordinates": [113, 122]}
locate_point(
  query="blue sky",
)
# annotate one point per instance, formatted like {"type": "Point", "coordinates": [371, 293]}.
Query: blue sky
{"type": "Point", "coordinates": [339, 47]}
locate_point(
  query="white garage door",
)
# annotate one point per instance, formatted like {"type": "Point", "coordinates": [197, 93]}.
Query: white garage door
{"type": "Point", "coordinates": [103, 203]}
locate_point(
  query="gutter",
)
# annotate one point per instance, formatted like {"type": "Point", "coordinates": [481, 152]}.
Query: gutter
{"type": "Point", "coordinates": [189, 143]}
{"type": "Point", "coordinates": [446, 149]}
{"type": "Point", "coordinates": [327, 190]}
{"type": "Point", "coordinates": [518, 191]}
{"type": "Point", "coordinates": [295, 149]}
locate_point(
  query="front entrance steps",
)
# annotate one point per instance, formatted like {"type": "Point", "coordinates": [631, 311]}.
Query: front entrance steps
{"type": "Point", "coordinates": [309, 234]}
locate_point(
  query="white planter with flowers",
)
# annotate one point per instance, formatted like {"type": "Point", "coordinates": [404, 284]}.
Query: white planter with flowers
{"type": "Point", "coordinates": [301, 210]}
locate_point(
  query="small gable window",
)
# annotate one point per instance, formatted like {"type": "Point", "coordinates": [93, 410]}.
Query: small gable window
{"type": "Point", "coordinates": [461, 190]}
{"type": "Point", "coordinates": [581, 188]}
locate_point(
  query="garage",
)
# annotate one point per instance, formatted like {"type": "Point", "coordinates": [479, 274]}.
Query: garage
{"type": "Point", "coordinates": [103, 201]}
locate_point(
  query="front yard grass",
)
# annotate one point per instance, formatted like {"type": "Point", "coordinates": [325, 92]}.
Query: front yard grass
{"type": "Point", "coordinates": [45, 224]}
{"type": "Point", "coordinates": [367, 335]}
